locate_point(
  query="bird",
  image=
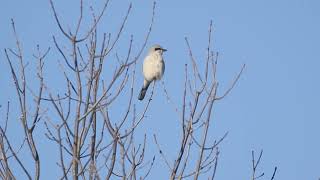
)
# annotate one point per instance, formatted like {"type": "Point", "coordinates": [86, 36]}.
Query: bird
{"type": "Point", "coordinates": [153, 68]}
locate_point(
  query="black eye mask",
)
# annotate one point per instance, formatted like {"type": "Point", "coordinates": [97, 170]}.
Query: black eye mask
{"type": "Point", "coordinates": [156, 49]}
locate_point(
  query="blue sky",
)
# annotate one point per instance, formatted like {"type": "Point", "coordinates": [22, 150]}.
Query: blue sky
{"type": "Point", "coordinates": [275, 106]}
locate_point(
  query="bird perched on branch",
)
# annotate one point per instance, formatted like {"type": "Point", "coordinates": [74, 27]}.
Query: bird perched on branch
{"type": "Point", "coordinates": [153, 68]}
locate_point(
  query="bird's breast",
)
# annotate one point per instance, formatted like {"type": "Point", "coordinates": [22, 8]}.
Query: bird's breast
{"type": "Point", "coordinates": [153, 67]}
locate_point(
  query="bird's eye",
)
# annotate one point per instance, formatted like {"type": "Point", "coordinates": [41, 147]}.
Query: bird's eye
{"type": "Point", "coordinates": [156, 49]}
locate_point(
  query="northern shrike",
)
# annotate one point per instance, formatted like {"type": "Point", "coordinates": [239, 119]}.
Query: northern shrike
{"type": "Point", "coordinates": [153, 68]}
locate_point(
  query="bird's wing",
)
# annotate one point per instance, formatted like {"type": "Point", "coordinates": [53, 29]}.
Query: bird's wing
{"type": "Point", "coordinates": [148, 68]}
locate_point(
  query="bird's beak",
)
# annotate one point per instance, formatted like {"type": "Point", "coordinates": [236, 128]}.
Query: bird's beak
{"type": "Point", "coordinates": [164, 50]}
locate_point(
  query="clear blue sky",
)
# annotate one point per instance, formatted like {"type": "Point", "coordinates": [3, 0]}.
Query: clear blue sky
{"type": "Point", "coordinates": [274, 107]}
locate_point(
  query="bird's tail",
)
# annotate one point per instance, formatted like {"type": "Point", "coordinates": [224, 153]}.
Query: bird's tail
{"type": "Point", "coordinates": [143, 91]}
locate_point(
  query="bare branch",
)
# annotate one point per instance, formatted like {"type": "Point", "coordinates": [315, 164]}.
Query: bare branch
{"type": "Point", "coordinates": [161, 152]}
{"type": "Point", "coordinates": [58, 21]}
{"type": "Point", "coordinates": [232, 85]}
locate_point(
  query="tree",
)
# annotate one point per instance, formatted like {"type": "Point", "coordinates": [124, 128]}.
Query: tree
{"type": "Point", "coordinates": [91, 143]}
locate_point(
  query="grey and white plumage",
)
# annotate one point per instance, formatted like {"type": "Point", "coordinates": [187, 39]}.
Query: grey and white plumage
{"type": "Point", "coordinates": [153, 68]}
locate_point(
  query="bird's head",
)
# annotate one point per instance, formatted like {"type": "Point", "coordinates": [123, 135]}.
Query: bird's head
{"type": "Point", "coordinates": [157, 48]}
